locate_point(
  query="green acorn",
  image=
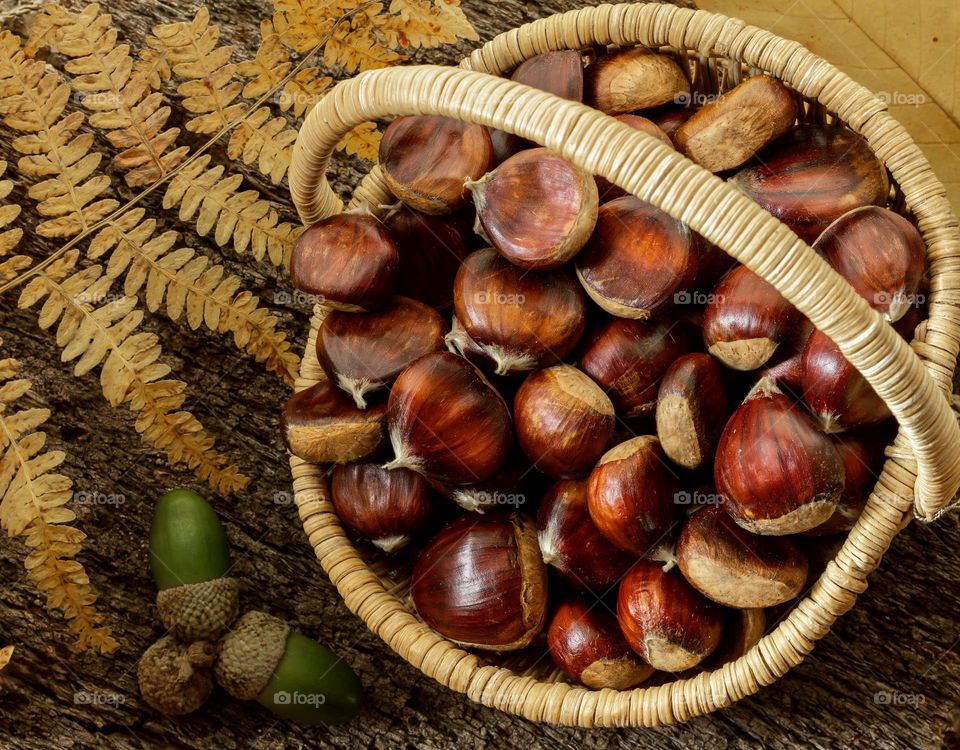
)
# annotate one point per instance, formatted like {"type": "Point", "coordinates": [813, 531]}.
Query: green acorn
{"type": "Point", "coordinates": [190, 557]}
{"type": "Point", "coordinates": [293, 676]}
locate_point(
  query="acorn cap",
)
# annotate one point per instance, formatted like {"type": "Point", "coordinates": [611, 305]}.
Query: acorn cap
{"type": "Point", "coordinates": [249, 654]}
{"type": "Point", "coordinates": [200, 611]}
{"type": "Point", "coordinates": [175, 678]}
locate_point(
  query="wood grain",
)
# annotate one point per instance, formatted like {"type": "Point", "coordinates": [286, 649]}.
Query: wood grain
{"type": "Point", "coordinates": [887, 678]}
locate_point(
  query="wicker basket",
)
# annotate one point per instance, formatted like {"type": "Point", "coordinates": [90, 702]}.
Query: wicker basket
{"type": "Point", "coordinates": [923, 467]}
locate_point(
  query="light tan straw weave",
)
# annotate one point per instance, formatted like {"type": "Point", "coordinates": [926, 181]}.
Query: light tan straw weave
{"type": "Point", "coordinates": [923, 467]}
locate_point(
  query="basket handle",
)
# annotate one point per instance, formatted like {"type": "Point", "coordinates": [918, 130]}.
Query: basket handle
{"type": "Point", "coordinates": [654, 172]}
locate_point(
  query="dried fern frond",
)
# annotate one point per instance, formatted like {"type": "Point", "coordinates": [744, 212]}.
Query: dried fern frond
{"type": "Point", "coordinates": [6, 654]}
{"type": "Point", "coordinates": [33, 505]}
{"type": "Point", "coordinates": [9, 267]}
{"type": "Point", "coordinates": [131, 372]}
{"type": "Point", "coordinates": [362, 141]}
{"type": "Point", "coordinates": [210, 93]}
{"type": "Point", "coordinates": [132, 116]}
{"type": "Point", "coordinates": [427, 23]}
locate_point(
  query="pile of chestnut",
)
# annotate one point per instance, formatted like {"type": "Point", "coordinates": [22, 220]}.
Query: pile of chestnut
{"type": "Point", "coordinates": [547, 384]}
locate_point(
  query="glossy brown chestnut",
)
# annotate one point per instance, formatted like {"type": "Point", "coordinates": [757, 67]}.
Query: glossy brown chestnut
{"type": "Point", "coordinates": [536, 208]}
{"type": "Point", "coordinates": [778, 473]}
{"type": "Point", "coordinates": [670, 117]}
{"type": "Point", "coordinates": [862, 463]}
{"type": "Point", "coordinates": [665, 620]}
{"type": "Point", "coordinates": [785, 368]}
{"type": "Point", "coordinates": [425, 160]}
{"type": "Point", "coordinates": [321, 424]}
{"type": "Point", "coordinates": [606, 189]}
{"type": "Point", "coordinates": [633, 79]}
{"type": "Point", "coordinates": [632, 496]}
{"type": "Point", "coordinates": [735, 567]}
{"type": "Point", "coordinates": [880, 254]}
{"type": "Point", "coordinates": [627, 358]}
{"type": "Point", "coordinates": [692, 408]}
{"type": "Point", "coordinates": [524, 319]}
{"type": "Point", "coordinates": [813, 175]}
{"type": "Point", "coordinates": [564, 421]}
{"type": "Point", "coordinates": [349, 260]}
{"type": "Point", "coordinates": [714, 262]}
{"type": "Point", "coordinates": [459, 342]}
{"type": "Point", "coordinates": [730, 130]}
{"type": "Point", "coordinates": [572, 544]}
{"type": "Point", "coordinates": [637, 260]}
{"type": "Point", "coordinates": [586, 643]}
{"type": "Point", "coordinates": [431, 250]}
{"type": "Point", "coordinates": [363, 352]}
{"type": "Point", "coordinates": [481, 583]}
{"type": "Point", "coordinates": [560, 73]}
{"type": "Point", "coordinates": [385, 507]}
{"type": "Point", "coordinates": [742, 630]}
{"type": "Point", "coordinates": [746, 319]}
{"type": "Point", "coordinates": [447, 422]}
{"type": "Point", "coordinates": [835, 390]}
{"type": "Point", "coordinates": [508, 489]}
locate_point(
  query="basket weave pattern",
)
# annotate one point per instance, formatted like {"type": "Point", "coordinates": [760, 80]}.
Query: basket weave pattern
{"type": "Point", "coordinates": [923, 467]}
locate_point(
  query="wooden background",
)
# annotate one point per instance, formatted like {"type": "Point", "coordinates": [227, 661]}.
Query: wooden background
{"type": "Point", "coordinates": [887, 678]}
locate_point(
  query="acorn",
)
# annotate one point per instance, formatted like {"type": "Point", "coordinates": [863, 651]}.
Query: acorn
{"type": "Point", "coordinates": [364, 352]}
{"type": "Point", "coordinates": [777, 472]}
{"type": "Point", "coordinates": [558, 72]}
{"type": "Point", "coordinates": [293, 676]}
{"type": "Point", "coordinates": [586, 643]}
{"type": "Point", "coordinates": [728, 131]}
{"type": "Point", "coordinates": [564, 421]}
{"type": "Point", "coordinates": [426, 159]}
{"type": "Point", "coordinates": [447, 422]}
{"type": "Point", "coordinates": [637, 260]}
{"type": "Point", "coordinates": [746, 319]}
{"type": "Point", "coordinates": [536, 208]}
{"type": "Point", "coordinates": [524, 319]}
{"type": "Point", "coordinates": [481, 583]}
{"type": "Point", "coordinates": [190, 559]}
{"type": "Point", "coordinates": [349, 261]}
{"type": "Point", "coordinates": [627, 359]}
{"type": "Point", "coordinates": [322, 424]}
{"type": "Point", "coordinates": [633, 79]}
{"type": "Point", "coordinates": [176, 678]}
{"type": "Point", "coordinates": [813, 175]}
{"type": "Point", "coordinates": [606, 190]}
{"type": "Point", "coordinates": [880, 254]}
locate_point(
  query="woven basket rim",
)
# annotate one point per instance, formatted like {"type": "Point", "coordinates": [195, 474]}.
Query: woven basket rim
{"type": "Point", "coordinates": [889, 503]}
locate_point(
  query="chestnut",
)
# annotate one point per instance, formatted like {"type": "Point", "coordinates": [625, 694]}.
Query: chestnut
{"type": "Point", "coordinates": [571, 543]}
{"type": "Point", "coordinates": [425, 160]}
{"type": "Point", "coordinates": [880, 254]}
{"type": "Point", "coordinates": [524, 319]}
{"type": "Point", "coordinates": [777, 472]}
{"type": "Point", "coordinates": [322, 425]}
{"type": "Point", "coordinates": [728, 131]}
{"type": "Point", "coordinates": [363, 352]}
{"type": "Point", "coordinates": [627, 358]}
{"type": "Point", "coordinates": [665, 620]}
{"type": "Point", "coordinates": [637, 259]}
{"type": "Point", "coordinates": [481, 583]}
{"type": "Point", "coordinates": [586, 643]}
{"type": "Point", "coordinates": [714, 262]}
{"type": "Point", "coordinates": [785, 368]}
{"type": "Point", "coordinates": [742, 630]}
{"type": "Point", "coordinates": [834, 389]}
{"type": "Point", "coordinates": [384, 507]}
{"type": "Point", "coordinates": [536, 208]}
{"type": "Point", "coordinates": [564, 421]}
{"type": "Point", "coordinates": [862, 463]}
{"type": "Point", "coordinates": [670, 117]}
{"type": "Point", "coordinates": [606, 189]}
{"type": "Point", "coordinates": [812, 175]}
{"type": "Point", "coordinates": [459, 342]}
{"type": "Point", "coordinates": [558, 72]}
{"type": "Point", "coordinates": [746, 319]}
{"type": "Point", "coordinates": [349, 261]}
{"type": "Point", "coordinates": [509, 487]}
{"type": "Point", "coordinates": [632, 496]}
{"type": "Point", "coordinates": [431, 250]}
{"type": "Point", "coordinates": [692, 408]}
{"type": "Point", "coordinates": [447, 422]}
{"type": "Point", "coordinates": [735, 567]}
{"type": "Point", "coordinates": [633, 79]}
